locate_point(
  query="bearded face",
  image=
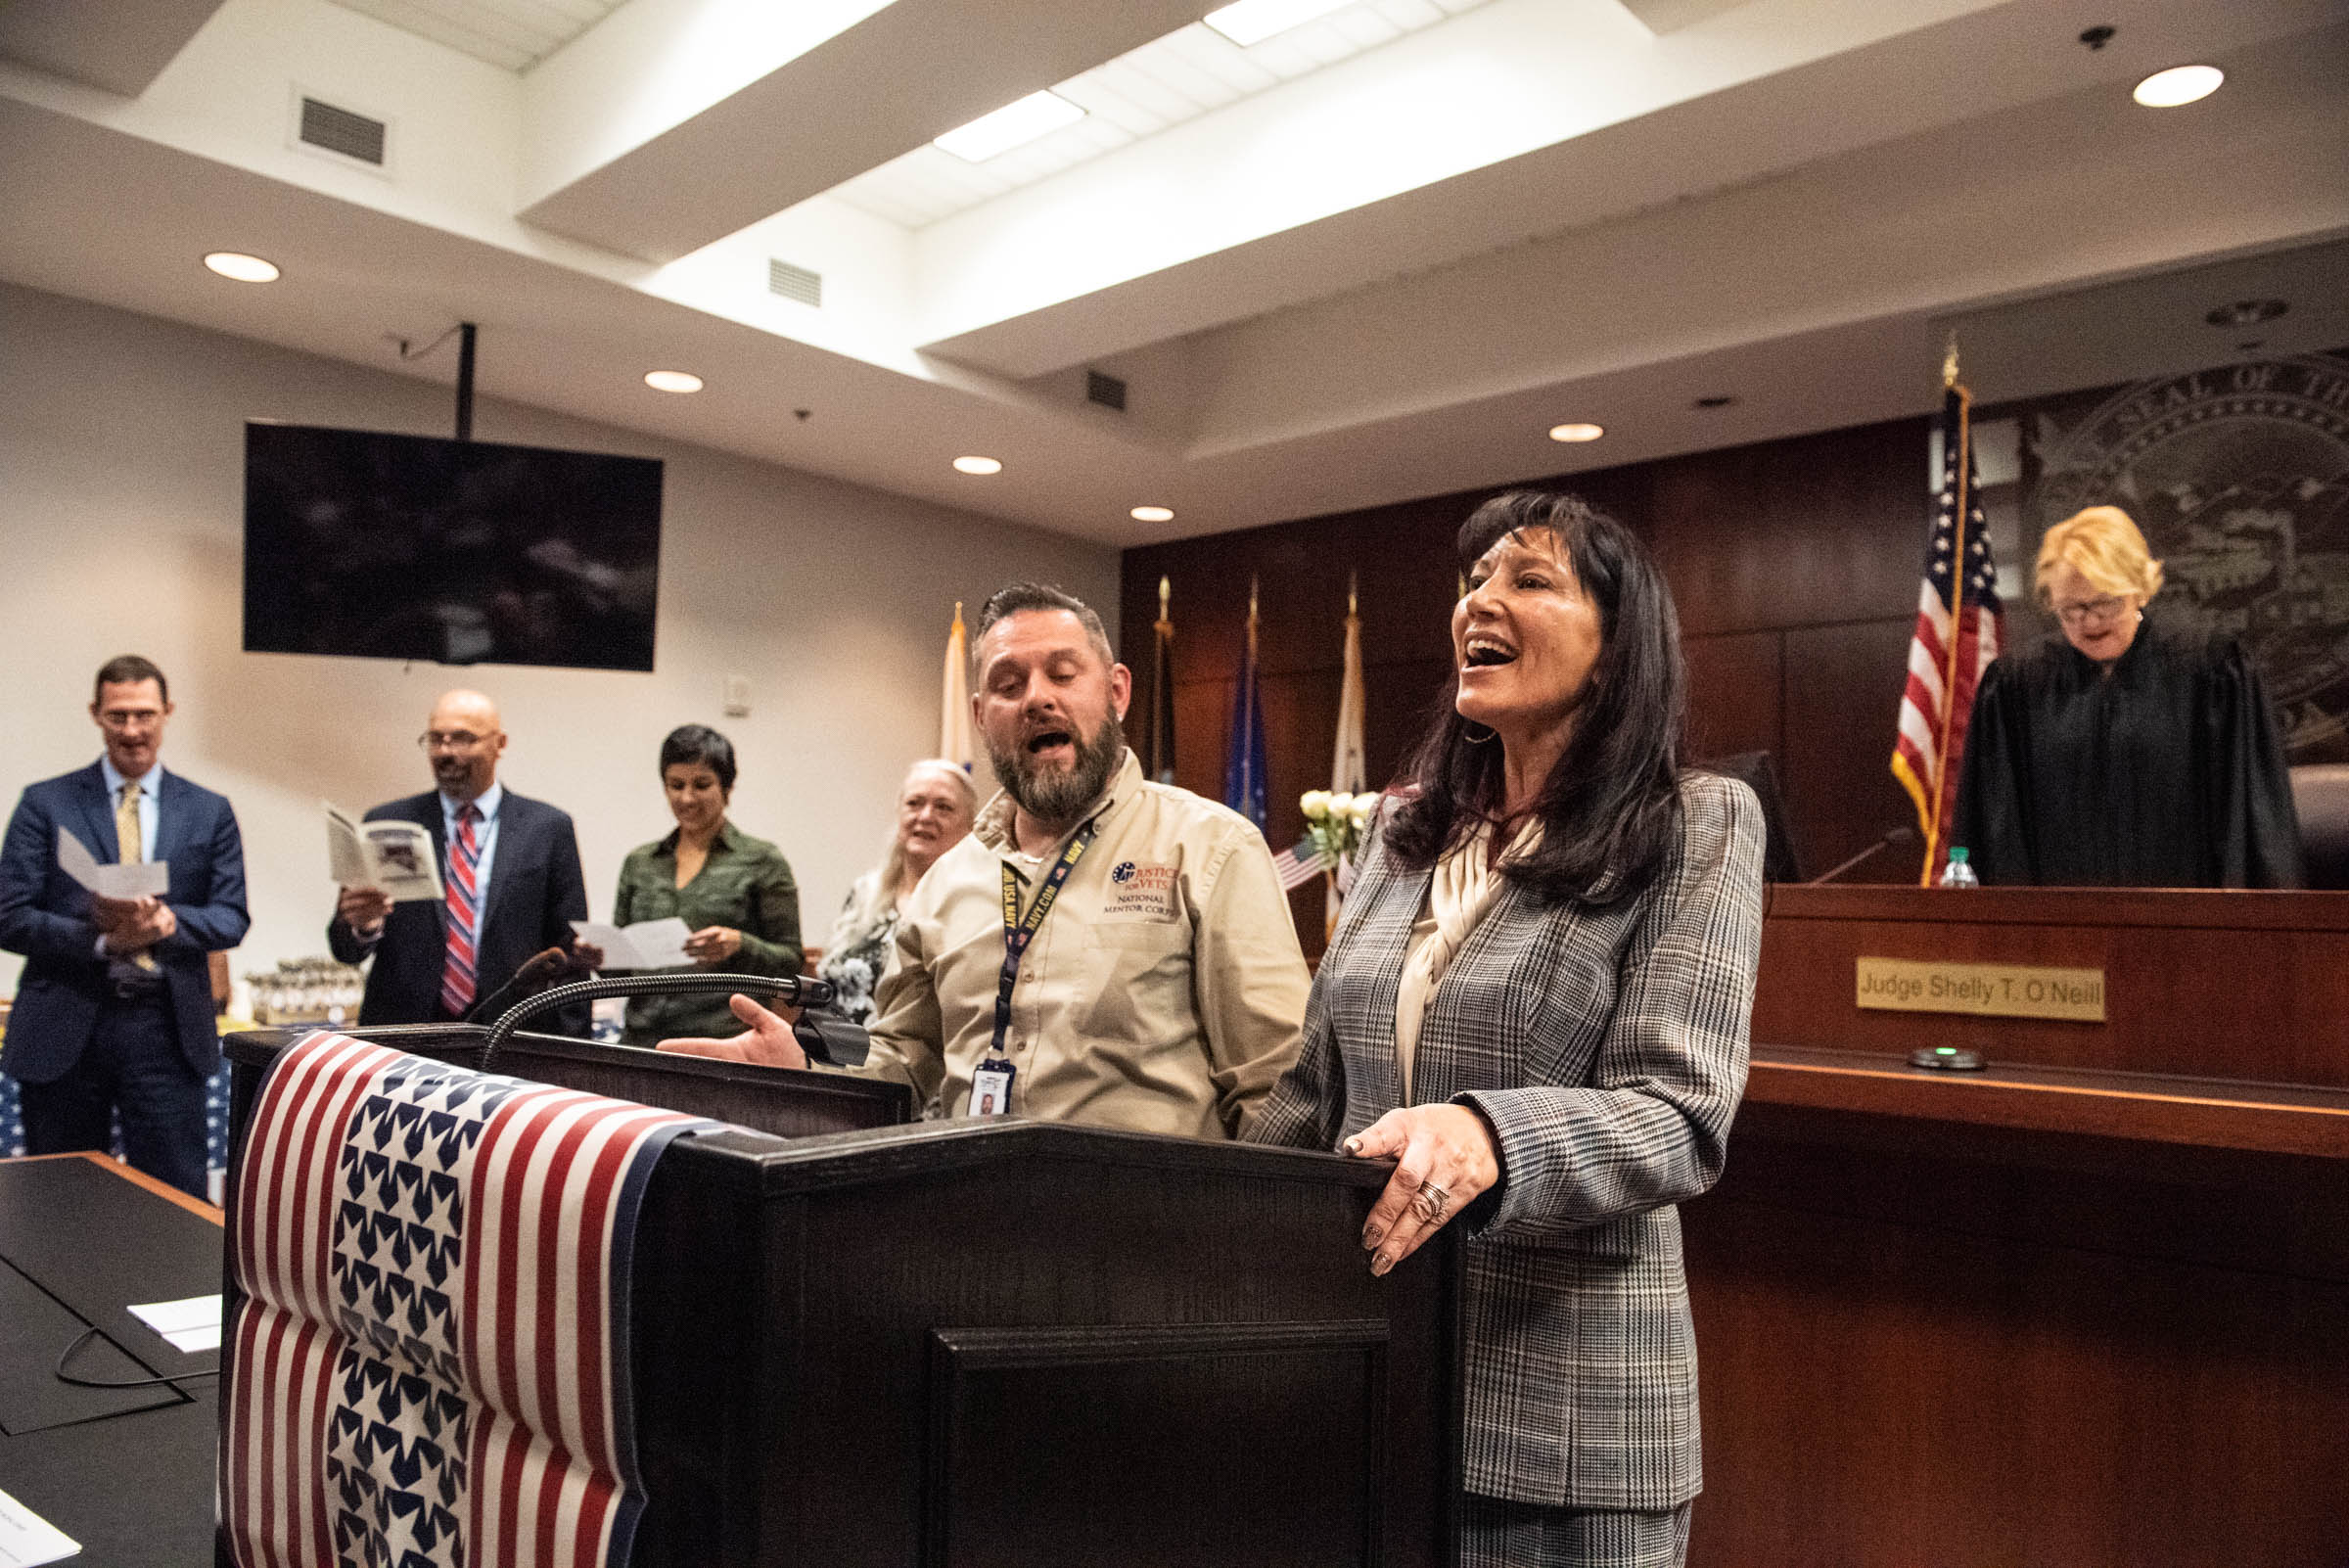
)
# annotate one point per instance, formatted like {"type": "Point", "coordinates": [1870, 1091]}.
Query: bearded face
{"type": "Point", "coordinates": [1049, 705]}
{"type": "Point", "coordinates": [1058, 773]}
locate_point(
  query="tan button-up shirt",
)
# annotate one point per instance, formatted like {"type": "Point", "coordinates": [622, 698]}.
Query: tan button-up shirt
{"type": "Point", "coordinates": [1162, 992]}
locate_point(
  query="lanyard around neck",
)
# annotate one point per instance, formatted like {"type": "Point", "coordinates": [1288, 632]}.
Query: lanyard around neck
{"type": "Point", "coordinates": [1019, 930]}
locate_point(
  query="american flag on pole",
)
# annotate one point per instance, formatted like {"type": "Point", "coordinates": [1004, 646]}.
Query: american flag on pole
{"type": "Point", "coordinates": [429, 1361]}
{"type": "Point", "coordinates": [1959, 624]}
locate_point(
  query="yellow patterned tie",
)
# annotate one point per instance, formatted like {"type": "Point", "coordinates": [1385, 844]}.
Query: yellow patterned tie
{"type": "Point", "coordinates": [134, 847]}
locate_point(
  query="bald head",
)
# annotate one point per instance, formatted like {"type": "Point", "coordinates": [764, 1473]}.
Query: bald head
{"type": "Point", "coordinates": [464, 739]}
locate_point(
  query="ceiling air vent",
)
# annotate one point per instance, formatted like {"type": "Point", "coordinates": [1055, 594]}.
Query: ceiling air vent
{"type": "Point", "coordinates": [342, 132]}
{"type": "Point", "coordinates": [1107, 390]}
{"type": "Point", "coordinates": [795, 283]}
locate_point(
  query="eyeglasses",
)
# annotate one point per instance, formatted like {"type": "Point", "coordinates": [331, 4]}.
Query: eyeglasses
{"type": "Point", "coordinates": [449, 740]}
{"type": "Point", "coordinates": [2101, 608]}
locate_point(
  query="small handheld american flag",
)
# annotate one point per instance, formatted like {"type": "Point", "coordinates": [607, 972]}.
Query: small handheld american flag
{"type": "Point", "coordinates": [1299, 865]}
{"type": "Point", "coordinates": [1960, 622]}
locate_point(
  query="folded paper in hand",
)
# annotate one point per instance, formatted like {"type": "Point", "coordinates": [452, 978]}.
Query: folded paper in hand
{"type": "Point", "coordinates": [396, 857]}
{"type": "Point", "coordinates": [646, 944]}
{"type": "Point", "coordinates": [141, 878]}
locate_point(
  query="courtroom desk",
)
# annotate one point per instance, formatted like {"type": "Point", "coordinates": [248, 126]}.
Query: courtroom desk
{"type": "Point", "coordinates": [128, 1473]}
{"type": "Point", "coordinates": [2090, 1307]}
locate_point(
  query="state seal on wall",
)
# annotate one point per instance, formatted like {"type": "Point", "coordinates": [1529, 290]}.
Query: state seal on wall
{"type": "Point", "coordinates": [2239, 477]}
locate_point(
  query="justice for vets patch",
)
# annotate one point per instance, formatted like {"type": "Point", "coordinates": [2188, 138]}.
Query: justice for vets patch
{"type": "Point", "coordinates": [1139, 892]}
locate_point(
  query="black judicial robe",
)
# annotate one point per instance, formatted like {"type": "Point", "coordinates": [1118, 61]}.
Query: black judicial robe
{"type": "Point", "coordinates": [2166, 774]}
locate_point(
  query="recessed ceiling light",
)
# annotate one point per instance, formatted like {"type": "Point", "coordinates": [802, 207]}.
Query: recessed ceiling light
{"type": "Point", "coordinates": [2179, 84]}
{"type": "Point", "coordinates": [242, 268]}
{"type": "Point", "coordinates": [672, 381]}
{"type": "Point", "coordinates": [1015, 124]}
{"type": "Point", "coordinates": [1252, 21]}
{"type": "Point", "coordinates": [2246, 312]}
{"type": "Point", "coordinates": [978, 465]}
{"type": "Point", "coordinates": [1152, 514]}
{"type": "Point", "coordinates": [1576, 432]}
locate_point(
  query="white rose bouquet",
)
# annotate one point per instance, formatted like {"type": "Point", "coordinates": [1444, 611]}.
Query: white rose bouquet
{"type": "Point", "coordinates": [1335, 822]}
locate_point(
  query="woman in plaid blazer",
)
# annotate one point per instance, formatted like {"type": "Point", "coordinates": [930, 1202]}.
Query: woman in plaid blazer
{"type": "Point", "coordinates": [1537, 1002]}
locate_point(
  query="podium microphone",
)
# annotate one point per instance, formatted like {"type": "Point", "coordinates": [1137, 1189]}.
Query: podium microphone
{"type": "Point", "coordinates": [1898, 835]}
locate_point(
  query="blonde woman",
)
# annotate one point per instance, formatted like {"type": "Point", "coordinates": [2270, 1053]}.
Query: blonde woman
{"type": "Point", "coordinates": [2128, 751]}
{"type": "Point", "coordinates": [936, 805]}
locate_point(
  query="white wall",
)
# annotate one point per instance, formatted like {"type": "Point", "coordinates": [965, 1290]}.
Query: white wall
{"type": "Point", "coordinates": [121, 525]}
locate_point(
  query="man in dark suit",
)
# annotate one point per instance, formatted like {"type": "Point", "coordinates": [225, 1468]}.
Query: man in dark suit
{"type": "Point", "coordinates": [114, 1009]}
{"type": "Point", "coordinates": [510, 867]}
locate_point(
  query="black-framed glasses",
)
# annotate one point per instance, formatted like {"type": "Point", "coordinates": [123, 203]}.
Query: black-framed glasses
{"type": "Point", "coordinates": [2101, 608]}
{"type": "Point", "coordinates": [449, 740]}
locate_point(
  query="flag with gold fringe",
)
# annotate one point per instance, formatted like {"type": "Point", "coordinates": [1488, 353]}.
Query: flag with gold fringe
{"type": "Point", "coordinates": [1960, 626]}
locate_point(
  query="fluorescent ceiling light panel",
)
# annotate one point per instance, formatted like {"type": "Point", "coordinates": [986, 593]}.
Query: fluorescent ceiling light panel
{"type": "Point", "coordinates": [1013, 125]}
{"type": "Point", "coordinates": [1252, 21]}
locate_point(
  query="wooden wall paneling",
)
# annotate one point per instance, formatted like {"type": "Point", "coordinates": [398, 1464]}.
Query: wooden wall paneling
{"type": "Point", "coordinates": [1808, 531]}
{"type": "Point", "coordinates": [1398, 702]}
{"type": "Point", "coordinates": [1734, 696]}
{"type": "Point", "coordinates": [1929, 1382]}
{"type": "Point", "coordinates": [1202, 722]}
{"type": "Point", "coordinates": [1842, 697]}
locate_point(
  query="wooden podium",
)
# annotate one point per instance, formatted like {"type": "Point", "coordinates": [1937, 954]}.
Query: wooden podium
{"type": "Point", "coordinates": [2090, 1306]}
{"type": "Point", "coordinates": [857, 1341]}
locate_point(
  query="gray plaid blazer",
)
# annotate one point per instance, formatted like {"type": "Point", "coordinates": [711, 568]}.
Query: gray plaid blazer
{"type": "Point", "coordinates": [1607, 1047]}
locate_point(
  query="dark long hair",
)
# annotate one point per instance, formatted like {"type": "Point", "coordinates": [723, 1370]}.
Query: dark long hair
{"type": "Point", "coordinates": [1612, 803]}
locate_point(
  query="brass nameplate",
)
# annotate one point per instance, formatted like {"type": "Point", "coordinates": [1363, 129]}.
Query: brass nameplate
{"type": "Point", "coordinates": [2002, 991]}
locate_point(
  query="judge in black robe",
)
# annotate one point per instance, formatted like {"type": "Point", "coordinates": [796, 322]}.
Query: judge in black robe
{"type": "Point", "coordinates": [2123, 753]}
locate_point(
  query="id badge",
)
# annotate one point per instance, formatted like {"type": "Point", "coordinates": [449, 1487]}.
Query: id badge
{"type": "Point", "coordinates": [990, 1087]}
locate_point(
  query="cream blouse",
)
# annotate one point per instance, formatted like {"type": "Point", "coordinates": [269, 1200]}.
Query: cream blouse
{"type": "Point", "coordinates": [1466, 881]}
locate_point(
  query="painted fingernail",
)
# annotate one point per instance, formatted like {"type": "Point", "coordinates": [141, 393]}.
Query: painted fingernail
{"type": "Point", "coordinates": [1380, 1265]}
{"type": "Point", "coordinates": [1373, 1236]}
{"type": "Point", "coordinates": [1354, 1145]}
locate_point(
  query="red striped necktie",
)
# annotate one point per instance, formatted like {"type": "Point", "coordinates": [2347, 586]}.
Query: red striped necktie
{"type": "Point", "coordinates": [464, 914]}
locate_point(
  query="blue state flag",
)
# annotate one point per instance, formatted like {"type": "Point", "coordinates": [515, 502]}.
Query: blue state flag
{"type": "Point", "coordinates": [1244, 758]}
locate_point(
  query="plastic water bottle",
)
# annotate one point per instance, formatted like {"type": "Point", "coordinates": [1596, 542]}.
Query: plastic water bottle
{"type": "Point", "coordinates": [1958, 873]}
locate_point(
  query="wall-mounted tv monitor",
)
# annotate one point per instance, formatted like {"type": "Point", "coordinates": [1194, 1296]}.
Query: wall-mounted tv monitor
{"type": "Point", "coordinates": [381, 546]}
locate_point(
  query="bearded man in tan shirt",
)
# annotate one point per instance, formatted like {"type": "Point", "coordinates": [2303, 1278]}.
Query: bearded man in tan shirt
{"type": "Point", "coordinates": [1159, 990]}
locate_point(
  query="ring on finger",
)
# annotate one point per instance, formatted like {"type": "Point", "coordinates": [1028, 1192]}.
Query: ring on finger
{"type": "Point", "coordinates": [1431, 1200]}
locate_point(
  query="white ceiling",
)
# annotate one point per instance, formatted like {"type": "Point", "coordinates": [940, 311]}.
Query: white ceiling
{"type": "Point", "coordinates": [1381, 277]}
{"type": "Point", "coordinates": [1167, 80]}
{"type": "Point", "coordinates": [511, 34]}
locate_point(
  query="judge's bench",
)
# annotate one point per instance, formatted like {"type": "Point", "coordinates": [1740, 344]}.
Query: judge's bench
{"type": "Point", "coordinates": [2086, 1305]}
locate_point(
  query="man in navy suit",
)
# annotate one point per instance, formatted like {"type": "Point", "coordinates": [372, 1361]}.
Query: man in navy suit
{"type": "Point", "coordinates": [511, 869]}
{"type": "Point", "coordinates": [114, 1009]}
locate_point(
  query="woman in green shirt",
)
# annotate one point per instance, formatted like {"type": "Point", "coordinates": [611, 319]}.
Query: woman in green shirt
{"type": "Point", "coordinates": [733, 891]}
